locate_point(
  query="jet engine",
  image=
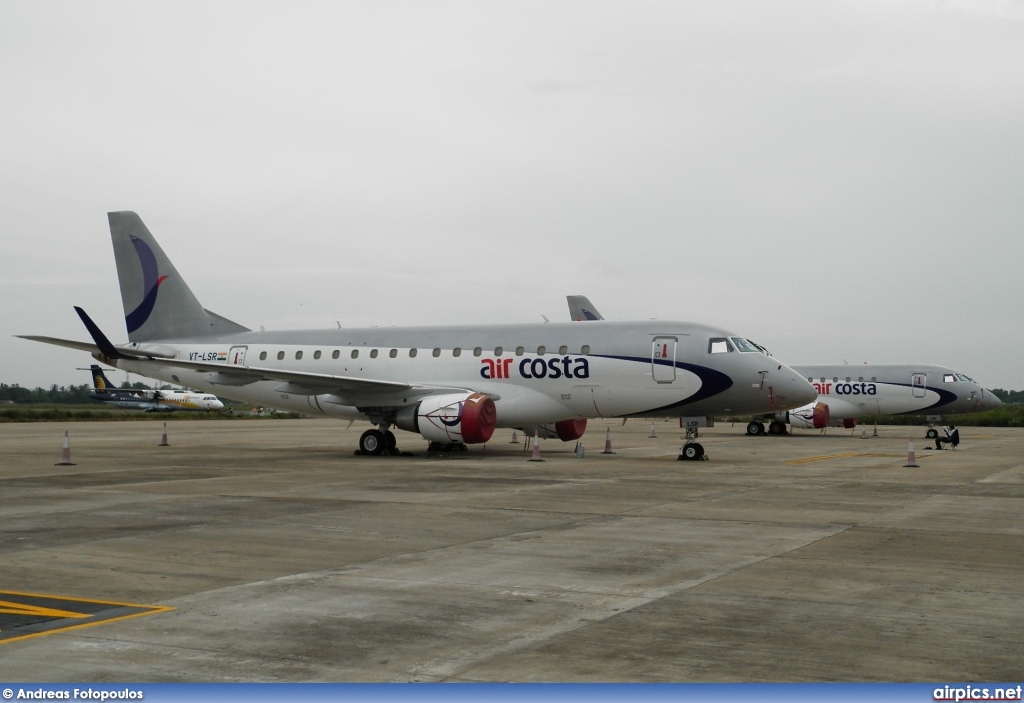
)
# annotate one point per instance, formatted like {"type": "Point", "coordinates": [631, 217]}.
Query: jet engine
{"type": "Point", "coordinates": [814, 415]}
{"type": "Point", "coordinates": [466, 418]}
{"type": "Point", "coordinates": [849, 422]}
{"type": "Point", "coordinates": [565, 430]}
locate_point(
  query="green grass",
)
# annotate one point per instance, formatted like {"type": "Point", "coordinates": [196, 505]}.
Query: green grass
{"type": "Point", "coordinates": [93, 413]}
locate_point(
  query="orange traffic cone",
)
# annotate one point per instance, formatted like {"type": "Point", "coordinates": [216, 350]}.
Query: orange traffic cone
{"type": "Point", "coordinates": [163, 440]}
{"type": "Point", "coordinates": [535, 456]}
{"type": "Point", "coordinates": [65, 452]}
{"type": "Point", "coordinates": [911, 459]}
{"type": "Point", "coordinates": [608, 441]}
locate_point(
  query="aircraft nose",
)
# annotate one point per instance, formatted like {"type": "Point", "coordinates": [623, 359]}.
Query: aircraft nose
{"type": "Point", "coordinates": [791, 389]}
{"type": "Point", "coordinates": [989, 401]}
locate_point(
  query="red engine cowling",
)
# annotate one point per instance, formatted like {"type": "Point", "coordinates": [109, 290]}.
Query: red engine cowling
{"type": "Point", "coordinates": [850, 422]}
{"type": "Point", "coordinates": [568, 430]}
{"type": "Point", "coordinates": [467, 418]}
{"type": "Point", "coordinates": [814, 415]}
{"type": "Point", "coordinates": [565, 430]}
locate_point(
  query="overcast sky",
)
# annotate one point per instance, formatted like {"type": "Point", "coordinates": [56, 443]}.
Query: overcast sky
{"type": "Point", "coordinates": [835, 180]}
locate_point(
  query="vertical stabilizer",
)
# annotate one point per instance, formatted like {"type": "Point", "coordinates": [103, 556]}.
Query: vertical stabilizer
{"type": "Point", "coordinates": [158, 304]}
{"type": "Point", "coordinates": [100, 382]}
{"type": "Point", "coordinates": [580, 308]}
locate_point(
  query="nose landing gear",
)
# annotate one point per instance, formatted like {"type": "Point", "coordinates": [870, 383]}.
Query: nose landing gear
{"type": "Point", "coordinates": [692, 450]}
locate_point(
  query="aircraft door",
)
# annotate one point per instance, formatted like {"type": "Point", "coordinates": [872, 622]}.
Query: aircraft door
{"type": "Point", "coordinates": [918, 384]}
{"type": "Point", "coordinates": [236, 357]}
{"type": "Point", "coordinates": [663, 359]}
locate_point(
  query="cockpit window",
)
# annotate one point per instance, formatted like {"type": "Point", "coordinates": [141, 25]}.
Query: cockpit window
{"type": "Point", "coordinates": [948, 378]}
{"type": "Point", "coordinates": [745, 345]}
{"type": "Point", "coordinates": [719, 345]}
{"type": "Point", "coordinates": [966, 379]}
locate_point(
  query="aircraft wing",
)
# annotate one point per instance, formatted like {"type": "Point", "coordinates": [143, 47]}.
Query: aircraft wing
{"type": "Point", "coordinates": [70, 344]}
{"type": "Point", "coordinates": [301, 383]}
{"type": "Point", "coordinates": [91, 347]}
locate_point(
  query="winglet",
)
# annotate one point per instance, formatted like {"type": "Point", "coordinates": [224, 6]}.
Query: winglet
{"type": "Point", "coordinates": [106, 348]}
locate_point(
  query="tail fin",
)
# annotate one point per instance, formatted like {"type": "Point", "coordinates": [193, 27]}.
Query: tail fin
{"type": "Point", "coordinates": [99, 379]}
{"type": "Point", "coordinates": [157, 302]}
{"type": "Point", "coordinates": [580, 308]}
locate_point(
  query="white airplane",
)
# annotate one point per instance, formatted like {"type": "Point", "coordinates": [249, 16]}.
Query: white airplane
{"type": "Point", "coordinates": [149, 401]}
{"type": "Point", "coordinates": [452, 385]}
{"type": "Point", "coordinates": [847, 393]}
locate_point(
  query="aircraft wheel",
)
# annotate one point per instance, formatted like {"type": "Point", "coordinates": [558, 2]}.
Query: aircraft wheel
{"type": "Point", "coordinates": [693, 452]}
{"type": "Point", "coordinates": [372, 442]}
{"type": "Point", "coordinates": [755, 428]}
{"type": "Point", "coordinates": [777, 427]}
{"type": "Point", "coordinates": [932, 433]}
{"type": "Point", "coordinates": [390, 443]}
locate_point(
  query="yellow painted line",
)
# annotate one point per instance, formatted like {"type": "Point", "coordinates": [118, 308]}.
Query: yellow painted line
{"type": "Point", "coordinates": [823, 457]}
{"type": "Point", "coordinates": [76, 599]}
{"type": "Point", "coordinates": [37, 611]}
{"type": "Point", "coordinates": [849, 454]}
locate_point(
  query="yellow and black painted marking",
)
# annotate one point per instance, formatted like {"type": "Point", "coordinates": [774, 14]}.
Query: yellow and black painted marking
{"type": "Point", "coordinates": [24, 615]}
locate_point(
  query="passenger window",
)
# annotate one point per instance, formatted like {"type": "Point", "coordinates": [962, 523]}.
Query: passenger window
{"type": "Point", "coordinates": [810, 379]}
{"type": "Point", "coordinates": [355, 353]}
{"type": "Point", "coordinates": [298, 355]}
{"type": "Point", "coordinates": [437, 351]}
{"type": "Point", "coordinates": [280, 355]}
{"type": "Point", "coordinates": [860, 379]}
{"type": "Point", "coordinates": [519, 351]}
{"type": "Point", "coordinates": [263, 356]}
{"type": "Point", "coordinates": [563, 350]}
{"type": "Point", "coordinates": [822, 379]}
{"type": "Point", "coordinates": [393, 353]}
{"type": "Point", "coordinates": [373, 353]}
{"type": "Point", "coordinates": [412, 353]}
{"type": "Point", "coordinates": [585, 349]}
{"type": "Point", "coordinates": [835, 379]}
{"type": "Point", "coordinates": [719, 345]}
{"type": "Point", "coordinates": [873, 379]}
{"type": "Point", "coordinates": [847, 379]}
{"type": "Point", "coordinates": [336, 353]}
{"type": "Point", "coordinates": [316, 354]}
{"type": "Point", "coordinates": [498, 351]}
{"type": "Point", "coordinates": [541, 349]}
{"type": "Point", "coordinates": [478, 351]}
{"type": "Point", "coordinates": [456, 352]}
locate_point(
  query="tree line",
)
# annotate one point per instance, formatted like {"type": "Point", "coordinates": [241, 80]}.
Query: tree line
{"type": "Point", "coordinates": [56, 395]}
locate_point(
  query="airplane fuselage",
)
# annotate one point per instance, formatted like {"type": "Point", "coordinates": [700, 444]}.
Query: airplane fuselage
{"type": "Point", "coordinates": [157, 401]}
{"type": "Point", "coordinates": [535, 372]}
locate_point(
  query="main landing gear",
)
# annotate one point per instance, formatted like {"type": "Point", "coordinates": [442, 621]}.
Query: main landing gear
{"type": "Point", "coordinates": [376, 442]}
{"type": "Point", "coordinates": [776, 427]}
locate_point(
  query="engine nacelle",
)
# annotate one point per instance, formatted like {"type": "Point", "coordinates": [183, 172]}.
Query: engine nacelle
{"type": "Point", "coordinates": [565, 430]}
{"type": "Point", "coordinates": [467, 418]}
{"type": "Point", "coordinates": [850, 422]}
{"type": "Point", "coordinates": [814, 416]}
